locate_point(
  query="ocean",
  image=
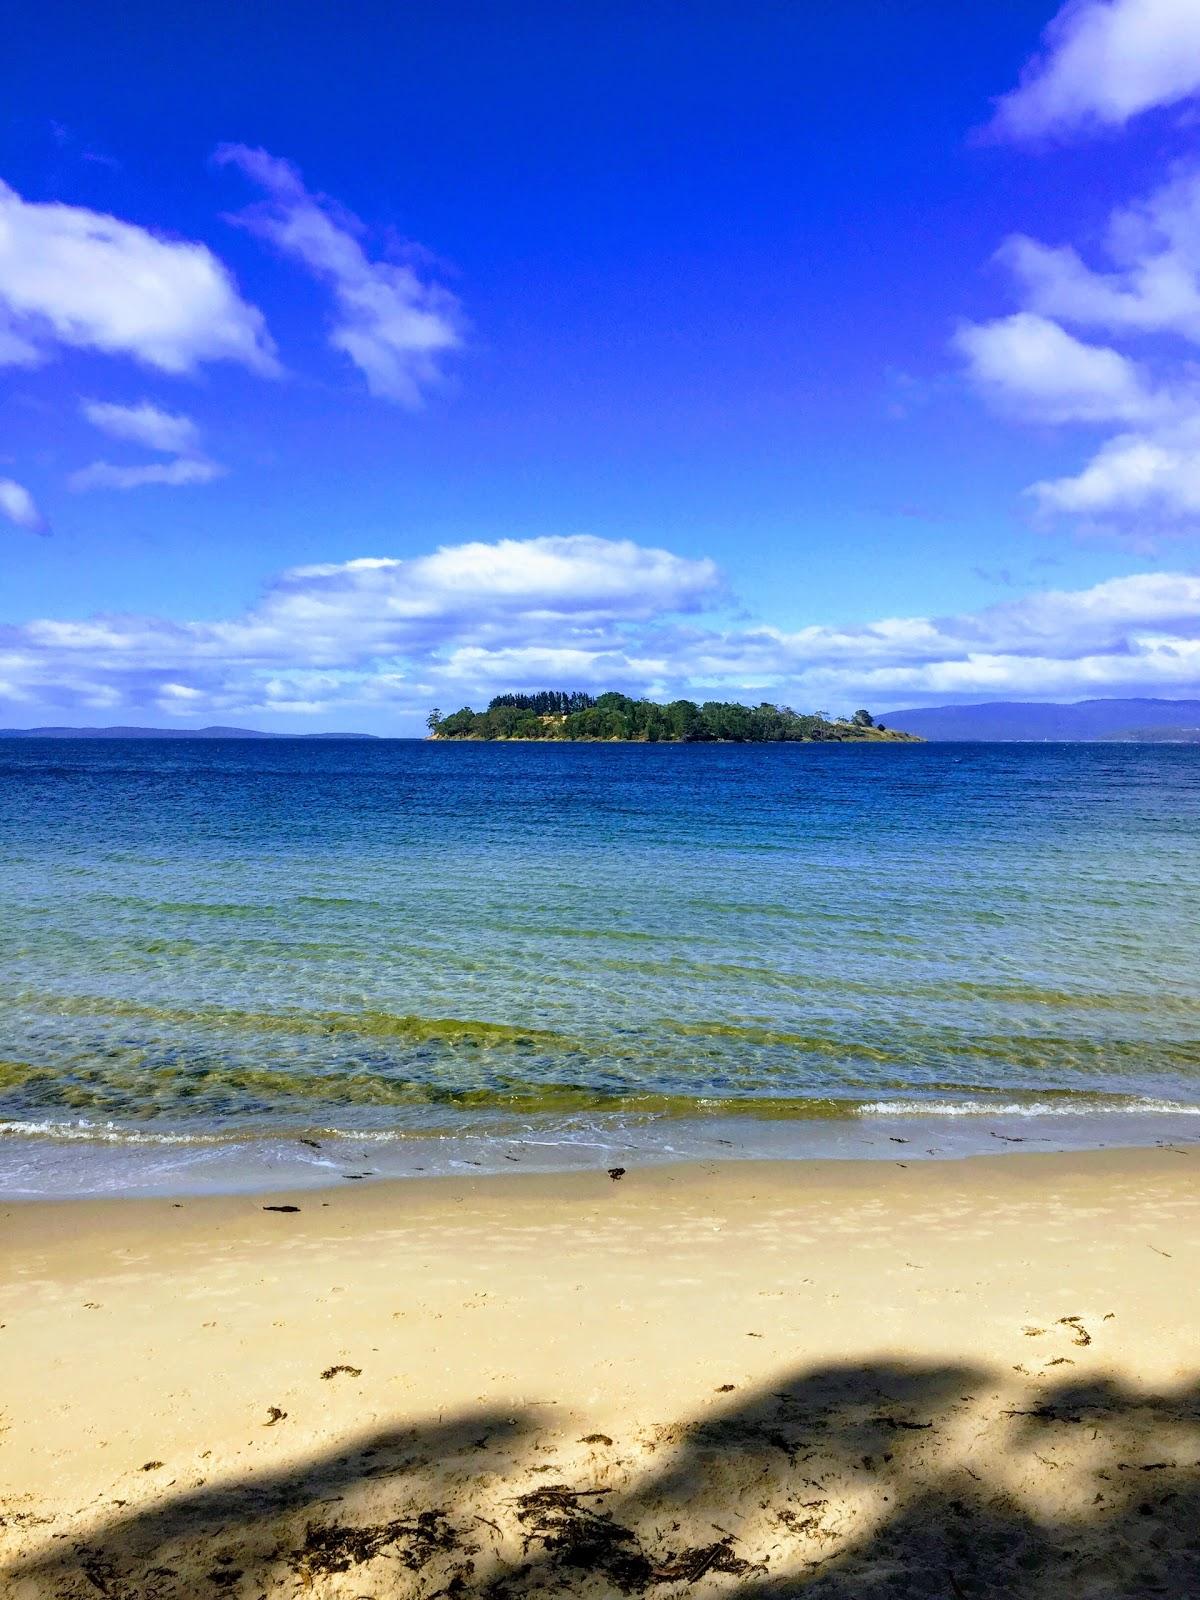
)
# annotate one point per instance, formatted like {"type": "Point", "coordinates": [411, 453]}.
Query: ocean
{"type": "Point", "coordinates": [239, 964]}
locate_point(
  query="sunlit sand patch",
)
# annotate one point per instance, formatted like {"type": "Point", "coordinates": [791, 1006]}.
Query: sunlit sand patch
{"type": "Point", "coordinates": [544, 1387]}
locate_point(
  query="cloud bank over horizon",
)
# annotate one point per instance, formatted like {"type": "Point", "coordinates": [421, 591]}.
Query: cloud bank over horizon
{"type": "Point", "coordinates": [384, 639]}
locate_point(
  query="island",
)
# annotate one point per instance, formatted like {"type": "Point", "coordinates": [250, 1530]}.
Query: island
{"type": "Point", "coordinates": [558, 714]}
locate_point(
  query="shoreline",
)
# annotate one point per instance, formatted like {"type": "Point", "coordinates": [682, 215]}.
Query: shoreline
{"type": "Point", "coordinates": [1018, 1166]}
{"type": "Point", "coordinates": [91, 1162]}
{"type": "Point", "coordinates": [738, 1376]}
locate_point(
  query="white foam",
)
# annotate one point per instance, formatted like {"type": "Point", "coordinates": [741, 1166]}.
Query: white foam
{"type": "Point", "coordinates": [1039, 1108]}
{"type": "Point", "coordinates": [101, 1133]}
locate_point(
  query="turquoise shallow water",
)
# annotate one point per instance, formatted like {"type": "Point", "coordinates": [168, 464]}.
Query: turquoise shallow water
{"type": "Point", "coordinates": [495, 948]}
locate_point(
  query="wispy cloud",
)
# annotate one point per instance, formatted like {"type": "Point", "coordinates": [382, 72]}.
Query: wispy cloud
{"type": "Point", "coordinates": [69, 276]}
{"type": "Point", "coordinates": [388, 637]}
{"type": "Point", "coordinates": [392, 325]}
{"type": "Point", "coordinates": [170, 474]}
{"type": "Point", "coordinates": [1104, 62]}
{"type": "Point", "coordinates": [145, 424]}
{"type": "Point", "coordinates": [18, 506]}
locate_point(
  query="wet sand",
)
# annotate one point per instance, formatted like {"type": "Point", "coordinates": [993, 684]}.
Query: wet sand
{"type": "Point", "coordinates": [828, 1378]}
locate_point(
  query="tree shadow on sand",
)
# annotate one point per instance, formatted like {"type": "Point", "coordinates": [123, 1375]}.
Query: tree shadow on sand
{"type": "Point", "coordinates": [853, 1480]}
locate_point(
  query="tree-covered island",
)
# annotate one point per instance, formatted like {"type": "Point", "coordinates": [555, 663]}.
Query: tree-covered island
{"type": "Point", "coordinates": [555, 714]}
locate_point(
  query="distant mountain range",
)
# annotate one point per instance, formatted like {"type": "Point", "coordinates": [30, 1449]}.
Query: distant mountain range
{"type": "Point", "coordinates": [1131, 721]}
{"type": "Point", "coordinates": [166, 733]}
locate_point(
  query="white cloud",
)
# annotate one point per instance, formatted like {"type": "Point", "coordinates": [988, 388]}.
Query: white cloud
{"type": "Point", "coordinates": [1104, 62]}
{"type": "Point", "coordinates": [494, 594]}
{"type": "Point", "coordinates": [576, 575]}
{"type": "Point", "coordinates": [1032, 366]}
{"type": "Point", "coordinates": [1153, 477]}
{"type": "Point", "coordinates": [1141, 483]}
{"type": "Point", "coordinates": [1154, 284]}
{"type": "Point", "coordinates": [391, 324]}
{"type": "Point", "coordinates": [16, 351]}
{"type": "Point", "coordinates": [169, 432]}
{"type": "Point", "coordinates": [574, 591]}
{"type": "Point", "coordinates": [386, 638]}
{"type": "Point", "coordinates": [172, 474]}
{"type": "Point", "coordinates": [17, 505]}
{"type": "Point", "coordinates": [75, 277]}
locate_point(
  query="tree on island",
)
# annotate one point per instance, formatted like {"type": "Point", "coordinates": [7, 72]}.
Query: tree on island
{"type": "Point", "coordinates": [557, 714]}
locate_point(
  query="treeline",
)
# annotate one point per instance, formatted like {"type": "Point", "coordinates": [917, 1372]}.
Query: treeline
{"type": "Point", "coordinates": [554, 714]}
{"type": "Point", "coordinates": [547, 703]}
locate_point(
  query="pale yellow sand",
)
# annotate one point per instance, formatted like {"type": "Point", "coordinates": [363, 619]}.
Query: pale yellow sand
{"type": "Point", "coordinates": [950, 1379]}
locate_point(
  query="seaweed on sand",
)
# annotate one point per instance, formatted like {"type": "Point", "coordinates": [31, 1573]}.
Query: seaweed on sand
{"type": "Point", "coordinates": [414, 1541]}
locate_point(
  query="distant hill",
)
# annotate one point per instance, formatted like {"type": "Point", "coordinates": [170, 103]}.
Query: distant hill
{"type": "Point", "coordinates": [166, 733]}
{"type": "Point", "coordinates": [1135, 721]}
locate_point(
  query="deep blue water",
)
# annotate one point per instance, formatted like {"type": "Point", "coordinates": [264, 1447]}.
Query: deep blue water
{"type": "Point", "coordinates": [207, 947]}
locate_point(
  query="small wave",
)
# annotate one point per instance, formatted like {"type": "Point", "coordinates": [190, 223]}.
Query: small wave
{"type": "Point", "coordinates": [1065, 1106]}
{"type": "Point", "coordinates": [599, 1117]}
{"type": "Point", "coordinates": [104, 1133]}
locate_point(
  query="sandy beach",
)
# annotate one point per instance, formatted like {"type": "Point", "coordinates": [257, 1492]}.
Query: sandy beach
{"type": "Point", "coordinates": [943, 1378]}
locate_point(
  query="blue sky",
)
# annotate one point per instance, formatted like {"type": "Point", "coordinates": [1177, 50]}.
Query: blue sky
{"type": "Point", "coordinates": [831, 355]}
